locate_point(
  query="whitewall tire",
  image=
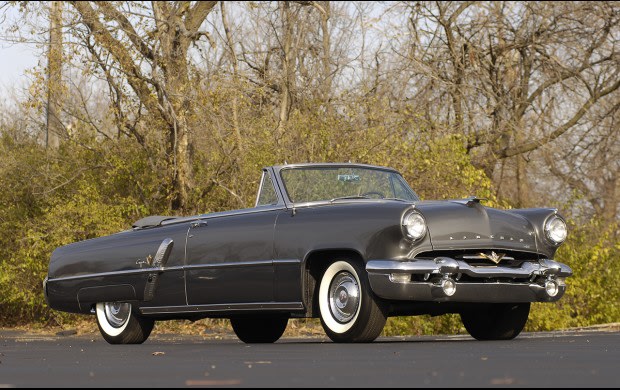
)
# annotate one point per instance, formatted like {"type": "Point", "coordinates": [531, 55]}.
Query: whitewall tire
{"type": "Point", "coordinates": [349, 310]}
{"type": "Point", "coordinates": [118, 323]}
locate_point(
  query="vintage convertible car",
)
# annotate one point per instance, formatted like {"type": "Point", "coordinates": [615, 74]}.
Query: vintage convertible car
{"type": "Point", "coordinates": [351, 244]}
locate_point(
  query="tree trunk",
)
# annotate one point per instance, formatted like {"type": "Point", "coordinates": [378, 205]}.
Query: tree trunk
{"type": "Point", "coordinates": [288, 61]}
{"type": "Point", "coordinates": [326, 86]}
{"type": "Point", "coordinates": [180, 105]}
{"type": "Point", "coordinates": [54, 126]}
{"type": "Point", "coordinates": [235, 65]}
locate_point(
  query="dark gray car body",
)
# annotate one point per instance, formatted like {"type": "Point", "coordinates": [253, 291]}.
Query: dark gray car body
{"type": "Point", "coordinates": [268, 258]}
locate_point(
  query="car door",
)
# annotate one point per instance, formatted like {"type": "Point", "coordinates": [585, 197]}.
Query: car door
{"type": "Point", "coordinates": [230, 258]}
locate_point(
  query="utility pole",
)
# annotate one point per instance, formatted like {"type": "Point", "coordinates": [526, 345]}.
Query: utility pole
{"type": "Point", "coordinates": [54, 77]}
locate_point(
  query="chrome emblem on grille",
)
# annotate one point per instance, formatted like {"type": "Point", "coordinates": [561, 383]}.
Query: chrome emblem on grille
{"type": "Point", "coordinates": [494, 257]}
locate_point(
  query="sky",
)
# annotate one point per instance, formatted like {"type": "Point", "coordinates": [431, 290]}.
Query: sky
{"type": "Point", "coordinates": [15, 59]}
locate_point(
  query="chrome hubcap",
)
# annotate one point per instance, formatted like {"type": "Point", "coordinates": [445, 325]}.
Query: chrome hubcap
{"type": "Point", "coordinates": [344, 297]}
{"type": "Point", "coordinates": [117, 313]}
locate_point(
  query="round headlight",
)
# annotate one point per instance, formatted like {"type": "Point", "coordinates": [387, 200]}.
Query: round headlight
{"type": "Point", "coordinates": [415, 225]}
{"type": "Point", "coordinates": [556, 230]}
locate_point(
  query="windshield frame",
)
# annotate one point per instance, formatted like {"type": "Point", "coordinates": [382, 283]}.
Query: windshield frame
{"type": "Point", "coordinates": [289, 203]}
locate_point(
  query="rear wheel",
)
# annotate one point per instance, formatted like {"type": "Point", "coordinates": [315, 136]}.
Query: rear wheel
{"type": "Point", "coordinates": [349, 310]}
{"type": "Point", "coordinates": [118, 323]}
{"type": "Point", "coordinates": [259, 330]}
{"type": "Point", "coordinates": [496, 321]}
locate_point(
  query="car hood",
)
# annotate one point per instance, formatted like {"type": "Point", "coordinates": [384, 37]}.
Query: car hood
{"type": "Point", "coordinates": [466, 224]}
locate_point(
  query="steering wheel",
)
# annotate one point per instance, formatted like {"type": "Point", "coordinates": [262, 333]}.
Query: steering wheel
{"type": "Point", "coordinates": [379, 194]}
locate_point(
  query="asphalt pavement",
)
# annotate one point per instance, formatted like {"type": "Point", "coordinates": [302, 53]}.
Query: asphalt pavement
{"type": "Point", "coordinates": [554, 359]}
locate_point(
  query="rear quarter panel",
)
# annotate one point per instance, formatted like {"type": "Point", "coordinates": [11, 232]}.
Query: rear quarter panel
{"type": "Point", "coordinates": [115, 268]}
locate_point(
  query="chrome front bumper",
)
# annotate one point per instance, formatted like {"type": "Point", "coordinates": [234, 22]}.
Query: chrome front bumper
{"type": "Point", "coordinates": [425, 280]}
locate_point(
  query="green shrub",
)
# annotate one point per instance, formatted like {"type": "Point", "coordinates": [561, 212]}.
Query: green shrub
{"type": "Point", "coordinates": [593, 294]}
{"type": "Point", "coordinates": [92, 187]}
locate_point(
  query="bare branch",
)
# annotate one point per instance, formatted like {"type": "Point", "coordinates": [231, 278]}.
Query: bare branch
{"type": "Point", "coordinates": [135, 77]}
{"type": "Point", "coordinates": [197, 14]}
{"type": "Point", "coordinates": [527, 147]}
{"type": "Point", "coordinates": [111, 12]}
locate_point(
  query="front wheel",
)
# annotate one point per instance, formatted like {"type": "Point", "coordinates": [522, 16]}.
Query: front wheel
{"type": "Point", "coordinates": [349, 310]}
{"type": "Point", "coordinates": [496, 321]}
{"type": "Point", "coordinates": [259, 330]}
{"type": "Point", "coordinates": [119, 325]}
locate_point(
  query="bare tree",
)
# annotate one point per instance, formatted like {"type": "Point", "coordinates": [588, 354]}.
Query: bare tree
{"type": "Point", "coordinates": [235, 70]}
{"type": "Point", "coordinates": [289, 52]}
{"type": "Point", "coordinates": [511, 77]}
{"type": "Point", "coordinates": [147, 50]}
{"type": "Point", "coordinates": [589, 163]}
{"type": "Point", "coordinates": [519, 82]}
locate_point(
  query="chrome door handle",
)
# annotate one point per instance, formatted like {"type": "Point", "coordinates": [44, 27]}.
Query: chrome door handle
{"type": "Point", "coordinates": [198, 224]}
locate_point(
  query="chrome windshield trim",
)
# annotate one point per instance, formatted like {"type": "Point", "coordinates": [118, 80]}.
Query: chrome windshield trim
{"type": "Point", "coordinates": [278, 169]}
{"type": "Point", "coordinates": [260, 187]}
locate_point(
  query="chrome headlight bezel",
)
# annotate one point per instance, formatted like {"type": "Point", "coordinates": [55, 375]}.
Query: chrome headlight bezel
{"type": "Point", "coordinates": [414, 225]}
{"type": "Point", "coordinates": [556, 230]}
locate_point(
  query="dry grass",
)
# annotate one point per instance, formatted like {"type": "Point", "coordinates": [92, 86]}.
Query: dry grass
{"type": "Point", "coordinates": [207, 328]}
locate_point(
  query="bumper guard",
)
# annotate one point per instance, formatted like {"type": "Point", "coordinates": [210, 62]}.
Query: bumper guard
{"type": "Point", "coordinates": [441, 280]}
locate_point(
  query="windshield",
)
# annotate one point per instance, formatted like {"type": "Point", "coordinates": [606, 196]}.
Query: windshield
{"type": "Point", "coordinates": [312, 184]}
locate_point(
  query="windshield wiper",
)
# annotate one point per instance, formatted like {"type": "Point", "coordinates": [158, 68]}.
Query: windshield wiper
{"type": "Point", "coordinates": [399, 199]}
{"type": "Point", "coordinates": [349, 197]}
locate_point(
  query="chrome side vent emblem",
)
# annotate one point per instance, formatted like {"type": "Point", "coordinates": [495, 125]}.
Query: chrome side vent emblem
{"type": "Point", "coordinates": [158, 264]}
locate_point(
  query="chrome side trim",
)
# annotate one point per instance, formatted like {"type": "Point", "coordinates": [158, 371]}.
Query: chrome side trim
{"type": "Point", "coordinates": [217, 308]}
{"type": "Point", "coordinates": [287, 261]}
{"type": "Point", "coordinates": [228, 265]}
{"type": "Point", "coordinates": [174, 268]}
{"type": "Point", "coordinates": [103, 274]}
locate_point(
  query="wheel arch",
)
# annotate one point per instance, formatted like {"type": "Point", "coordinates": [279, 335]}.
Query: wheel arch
{"type": "Point", "coordinates": [313, 267]}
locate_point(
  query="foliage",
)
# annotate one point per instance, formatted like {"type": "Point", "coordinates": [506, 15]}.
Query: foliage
{"type": "Point", "coordinates": [91, 187]}
{"type": "Point", "coordinates": [424, 325]}
{"type": "Point", "coordinates": [157, 122]}
{"type": "Point", "coordinates": [593, 295]}
{"type": "Point", "coordinates": [54, 198]}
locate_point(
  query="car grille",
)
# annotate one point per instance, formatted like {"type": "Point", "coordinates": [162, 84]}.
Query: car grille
{"type": "Point", "coordinates": [484, 257]}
